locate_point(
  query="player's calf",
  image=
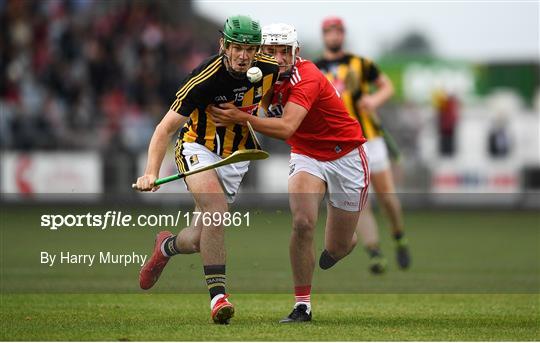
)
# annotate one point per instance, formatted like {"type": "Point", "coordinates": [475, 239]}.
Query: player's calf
{"type": "Point", "coordinates": [335, 252]}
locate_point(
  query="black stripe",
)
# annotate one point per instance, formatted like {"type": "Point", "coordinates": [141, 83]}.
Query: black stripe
{"type": "Point", "coordinates": [249, 142]}
{"type": "Point", "coordinates": [179, 153]}
{"type": "Point", "coordinates": [184, 129]}
{"type": "Point", "coordinates": [201, 127]}
{"type": "Point", "coordinates": [237, 137]}
{"type": "Point", "coordinates": [267, 61]}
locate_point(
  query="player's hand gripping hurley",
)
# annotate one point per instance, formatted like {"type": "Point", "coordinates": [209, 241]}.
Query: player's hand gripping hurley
{"type": "Point", "coordinates": [235, 157]}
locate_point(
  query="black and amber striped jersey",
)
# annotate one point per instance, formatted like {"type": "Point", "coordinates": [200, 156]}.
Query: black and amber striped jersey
{"type": "Point", "coordinates": [353, 76]}
{"type": "Point", "coordinates": [210, 84]}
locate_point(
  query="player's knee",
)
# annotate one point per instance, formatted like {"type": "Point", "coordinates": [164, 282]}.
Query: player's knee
{"type": "Point", "coordinates": [354, 241]}
{"type": "Point", "coordinates": [338, 250]}
{"type": "Point", "coordinates": [303, 226]}
{"type": "Point", "coordinates": [218, 205]}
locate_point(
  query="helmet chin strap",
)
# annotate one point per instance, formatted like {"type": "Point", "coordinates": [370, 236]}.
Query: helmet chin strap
{"type": "Point", "coordinates": [238, 75]}
{"type": "Point", "coordinates": [288, 73]}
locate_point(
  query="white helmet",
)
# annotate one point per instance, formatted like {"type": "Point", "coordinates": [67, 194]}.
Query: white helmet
{"type": "Point", "coordinates": [281, 34]}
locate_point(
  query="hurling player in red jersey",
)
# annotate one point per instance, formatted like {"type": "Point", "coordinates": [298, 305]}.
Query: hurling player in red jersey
{"type": "Point", "coordinates": [327, 156]}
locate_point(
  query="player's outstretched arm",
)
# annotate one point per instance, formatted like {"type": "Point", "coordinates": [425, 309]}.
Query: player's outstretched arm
{"type": "Point", "coordinates": [157, 149]}
{"type": "Point", "coordinates": [280, 128]}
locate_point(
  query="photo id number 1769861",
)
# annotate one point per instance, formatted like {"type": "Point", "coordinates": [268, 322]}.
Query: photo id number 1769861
{"type": "Point", "coordinates": [228, 219]}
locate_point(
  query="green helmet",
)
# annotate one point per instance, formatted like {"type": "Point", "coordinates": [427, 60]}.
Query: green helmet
{"type": "Point", "coordinates": [242, 29]}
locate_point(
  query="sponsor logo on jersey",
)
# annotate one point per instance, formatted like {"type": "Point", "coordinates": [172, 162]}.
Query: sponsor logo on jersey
{"type": "Point", "coordinates": [221, 98]}
{"type": "Point", "coordinates": [251, 109]}
{"type": "Point", "coordinates": [337, 149]}
{"type": "Point", "coordinates": [241, 89]}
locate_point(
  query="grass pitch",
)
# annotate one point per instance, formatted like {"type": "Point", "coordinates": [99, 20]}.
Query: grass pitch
{"type": "Point", "coordinates": [342, 317]}
{"type": "Point", "coordinates": [475, 276]}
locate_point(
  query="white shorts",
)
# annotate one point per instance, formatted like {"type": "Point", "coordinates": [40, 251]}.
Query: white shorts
{"type": "Point", "coordinates": [191, 156]}
{"type": "Point", "coordinates": [377, 154]}
{"type": "Point", "coordinates": [347, 178]}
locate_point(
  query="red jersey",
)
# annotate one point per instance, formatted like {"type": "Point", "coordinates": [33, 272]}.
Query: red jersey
{"type": "Point", "coordinates": [327, 132]}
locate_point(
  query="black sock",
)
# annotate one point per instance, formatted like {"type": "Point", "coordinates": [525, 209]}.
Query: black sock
{"type": "Point", "coordinates": [398, 235]}
{"type": "Point", "coordinates": [169, 246]}
{"type": "Point", "coordinates": [215, 279]}
{"type": "Point", "coordinates": [373, 252]}
{"type": "Point", "coordinates": [326, 261]}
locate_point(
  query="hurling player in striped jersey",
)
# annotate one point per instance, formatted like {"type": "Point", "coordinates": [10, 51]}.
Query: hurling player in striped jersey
{"type": "Point", "coordinates": [327, 156]}
{"type": "Point", "coordinates": [219, 79]}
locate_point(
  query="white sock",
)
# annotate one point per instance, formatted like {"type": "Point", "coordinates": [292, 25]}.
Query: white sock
{"type": "Point", "coordinates": [162, 248]}
{"type": "Point", "coordinates": [308, 304]}
{"type": "Point", "coordinates": [215, 299]}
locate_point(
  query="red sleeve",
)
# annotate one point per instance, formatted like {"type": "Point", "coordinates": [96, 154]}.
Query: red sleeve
{"type": "Point", "coordinates": [306, 86]}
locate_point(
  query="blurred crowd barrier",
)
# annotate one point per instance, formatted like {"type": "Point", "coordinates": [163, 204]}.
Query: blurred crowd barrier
{"type": "Point", "coordinates": [83, 84]}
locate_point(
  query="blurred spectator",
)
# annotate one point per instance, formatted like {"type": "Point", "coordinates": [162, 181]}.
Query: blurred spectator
{"type": "Point", "coordinates": [87, 74]}
{"type": "Point", "coordinates": [499, 142]}
{"type": "Point", "coordinates": [447, 107]}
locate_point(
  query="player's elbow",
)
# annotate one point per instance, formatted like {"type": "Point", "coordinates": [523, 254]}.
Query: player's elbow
{"type": "Point", "coordinates": [164, 130]}
{"type": "Point", "coordinates": [287, 132]}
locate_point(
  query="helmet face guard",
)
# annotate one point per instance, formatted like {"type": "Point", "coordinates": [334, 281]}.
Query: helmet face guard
{"type": "Point", "coordinates": [282, 34]}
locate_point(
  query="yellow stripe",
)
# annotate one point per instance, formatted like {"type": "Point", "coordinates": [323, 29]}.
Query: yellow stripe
{"type": "Point", "coordinates": [179, 157]}
{"type": "Point", "coordinates": [248, 98]}
{"type": "Point", "coordinates": [369, 130]}
{"type": "Point", "coordinates": [176, 105]}
{"type": "Point", "coordinates": [348, 102]}
{"type": "Point", "coordinates": [183, 95]}
{"type": "Point", "coordinates": [191, 135]}
{"type": "Point", "coordinates": [201, 74]}
{"type": "Point", "coordinates": [356, 65]}
{"type": "Point", "coordinates": [245, 134]}
{"type": "Point", "coordinates": [342, 71]}
{"type": "Point", "coordinates": [210, 132]}
{"type": "Point", "coordinates": [267, 83]}
{"type": "Point", "coordinates": [215, 275]}
{"type": "Point", "coordinates": [266, 59]}
{"type": "Point", "coordinates": [197, 79]}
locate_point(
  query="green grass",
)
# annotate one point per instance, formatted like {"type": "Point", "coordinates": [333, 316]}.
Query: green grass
{"type": "Point", "coordinates": [475, 276]}
{"type": "Point", "coordinates": [336, 318]}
